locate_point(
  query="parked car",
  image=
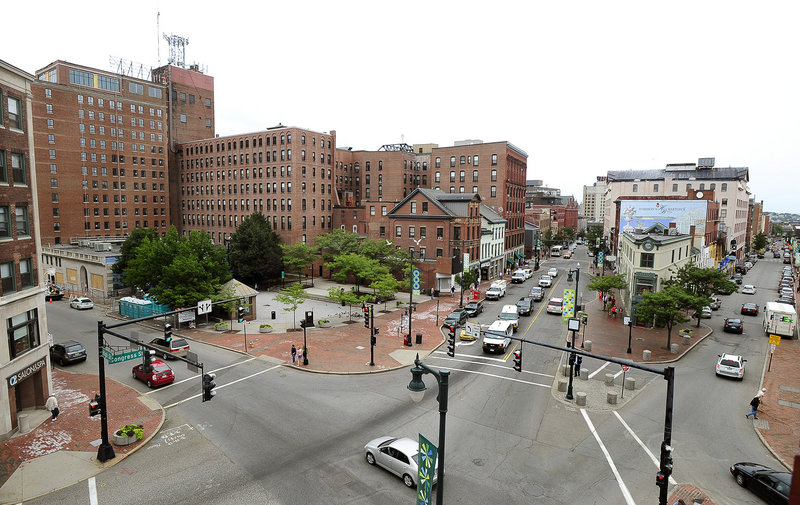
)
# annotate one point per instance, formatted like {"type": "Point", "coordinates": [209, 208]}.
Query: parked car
{"type": "Point", "coordinates": [537, 293]}
{"type": "Point", "coordinates": [545, 281]}
{"type": "Point", "coordinates": [737, 278]}
{"type": "Point", "coordinates": [750, 309]}
{"type": "Point", "coordinates": [553, 272]}
{"type": "Point", "coordinates": [398, 456]}
{"type": "Point", "coordinates": [67, 352]}
{"type": "Point", "coordinates": [748, 289]}
{"type": "Point", "coordinates": [524, 306]}
{"type": "Point", "coordinates": [555, 306]}
{"type": "Point", "coordinates": [159, 374]}
{"type": "Point", "coordinates": [770, 485]}
{"type": "Point", "coordinates": [456, 318]}
{"type": "Point", "coordinates": [705, 312]}
{"type": "Point", "coordinates": [733, 325]}
{"type": "Point", "coordinates": [81, 303]}
{"type": "Point", "coordinates": [731, 365]}
{"type": "Point", "coordinates": [473, 308]}
{"type": "Point", "coordinates": [716, 302]}
{"type": "Point", "coordinates": [175, 347]}
{"type": "Point", "coordinates": [776, 254]}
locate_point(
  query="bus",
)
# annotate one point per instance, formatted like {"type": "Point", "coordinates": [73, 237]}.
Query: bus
{"type": "Point", "coordinates": [556, 250]}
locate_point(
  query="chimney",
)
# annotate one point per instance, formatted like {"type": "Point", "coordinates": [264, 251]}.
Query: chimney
{"type": "Point", "coordinates": [673, 224]}
{"type": "Point", "coordinates": [691, 233]}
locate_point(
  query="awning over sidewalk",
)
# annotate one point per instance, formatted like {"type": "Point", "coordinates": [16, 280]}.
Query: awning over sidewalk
{"type": "Point", "coordinates": [509, 260]}
{"type": "Point", "coordinates": [518, 255]}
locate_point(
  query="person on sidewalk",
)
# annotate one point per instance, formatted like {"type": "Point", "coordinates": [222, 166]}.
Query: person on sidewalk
{"type": "Point", "coordinates": [300, 355]}
{"type": "Point", "coordinates": [754, 403]}
{"type": "Point", "coordinates": [52, 405]}
{"type": "Point", "coordinates": [294, 353]}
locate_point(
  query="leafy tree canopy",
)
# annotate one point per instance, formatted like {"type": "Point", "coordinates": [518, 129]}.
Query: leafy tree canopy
{"type": "Point", "coordinates": [356, 265]}
{"type": "Point", "coordinates": [701, 282]}
{"type": "Point", "coordinates": [128, 248]}
{"type": "Point", "coordinates": [254, 251]}
{"type": "Point", "coordinates": [337, 242]}
{"type": "Point", "coordinates": [664, 307]}
{"type": "Point", "coordinates": [298, 257]}
{"type": "Point", "coordinates": [179, 271]}
{"type": "Point", "coordinates": [292, 297]}
{"type": "Point", "coordinates": [607, 283]}
{"type": "Point", "coordinates": [759, 241]}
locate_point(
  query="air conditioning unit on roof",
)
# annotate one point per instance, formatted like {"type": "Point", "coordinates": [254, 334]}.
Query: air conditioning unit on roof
{"type": "Point", "coordinates": [673, 231]}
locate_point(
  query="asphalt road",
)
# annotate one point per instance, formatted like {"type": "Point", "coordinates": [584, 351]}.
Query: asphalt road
{"type": "Point", "coordinates": [277, 435]}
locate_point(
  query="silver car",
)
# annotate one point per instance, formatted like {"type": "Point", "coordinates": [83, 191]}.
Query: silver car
{"type": "Point", "coordinates": [731, 365]}
{"type": "Point", "coordinates": [397, 455]}
{"type": "Point", "coordinates": [81, 302]}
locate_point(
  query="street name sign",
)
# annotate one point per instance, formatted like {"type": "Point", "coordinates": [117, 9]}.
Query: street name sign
{"type": "Point", "coordinates": [112, 358]}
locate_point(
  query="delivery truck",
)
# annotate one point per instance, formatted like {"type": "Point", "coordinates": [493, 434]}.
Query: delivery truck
{"type": "Point", "coordinates": [780, 319]}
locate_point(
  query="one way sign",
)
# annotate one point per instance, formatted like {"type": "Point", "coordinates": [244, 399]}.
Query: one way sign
{"type": "Point", "coordinates": [204, 307]}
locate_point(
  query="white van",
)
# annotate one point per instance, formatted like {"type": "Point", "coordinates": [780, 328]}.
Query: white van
{"type": "Point", "coordinates": [780, 319]}
{"type": "Point", "coordinates": [497, 338]}
{"type": "Point", "coordinates": [497, 290]}
{"type": "Point", "coordinates": [510, 313]}
{"type": "Point", "coordinates": [518, 277]}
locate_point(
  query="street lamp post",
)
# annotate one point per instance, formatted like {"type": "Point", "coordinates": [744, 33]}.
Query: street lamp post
{"type": "Point", "coordinates": [630, 332]}
{"type": "Point", "coordinates": [461, 299]}
{"type": "Point", "coordinates": [417, 389]}
{"type": "Point", "coordinates": [574, 324]}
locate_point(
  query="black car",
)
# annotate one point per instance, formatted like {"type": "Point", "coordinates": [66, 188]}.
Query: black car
{"type": "Point", "coordinates": [750, 309]}
{"type": "Point", "coordinates": [473, 308]}
{"type": "Point", "coordinates": [524, 306]}
{"type": "Point", "coordinates": [67, 352]}
{"type": "Point", "coordinates": [456, 318]}
{"type": "Point", "coordinates": [737, 278]}
{"type": "Point", "coordinates": [770, 485]}
{"type": "Point", "coordinates": [733, 325]}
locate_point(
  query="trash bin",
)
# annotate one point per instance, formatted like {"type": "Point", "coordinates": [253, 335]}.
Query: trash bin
{"type": "Point", "coordinates": [436, 292]}
{"type": "Point", "coordinates": [273, 314]}
{"type": "Point", "coordinates": [419, 338]}
{"type": "Point", "coordinates": [407, 340]}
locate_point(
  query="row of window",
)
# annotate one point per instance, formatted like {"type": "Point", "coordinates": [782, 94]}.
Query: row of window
{"type": "Point", "coordinates": [462, 189]}
{"type": "Point", "coordinates": [712, 187]}
{"type": "Point", "coordinates": [285, 222]}
{"type": "Point", "coordinates": [463, 160]}
{"type": "Point", "coordinates": [11, 282]}
{"type": "Point", "coordinates": [437, 176]}
{"type": "Point", "coordinates": [21, 220]}
{"type": "Point", "coordinates": [258, 204]}
{"type": "Point", "coordinates": [192, 150]}
{"type": "Point", "coordinates": [106, 225]}
{"type": "Point", "coordinates": [244, 189]}
{"type": "Point", "coordinates": [244, 173]}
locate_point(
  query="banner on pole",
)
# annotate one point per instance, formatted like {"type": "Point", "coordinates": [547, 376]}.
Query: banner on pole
{"type": "Point", "coordinates": [427, 470]}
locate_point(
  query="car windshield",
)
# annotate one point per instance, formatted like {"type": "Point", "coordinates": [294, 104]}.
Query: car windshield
{"type": "Point", "coordinates": [472, 305]}
{"type": "Point", "coordinates": [508, 315]}
{"type": "Point", "coordinates": [729, 362]}
{"type": "Point", "coordinates": [555, 302]}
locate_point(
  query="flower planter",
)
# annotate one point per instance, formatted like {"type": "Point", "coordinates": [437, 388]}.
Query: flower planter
{"type": "Point", "coordinates": [221, 328]}
{"type": "Point", "coordinates": [120, 439]}
{"type": "Point", "coordinates": [265, 329]}
{"type": "Point", "coordinates": [128, 434]}
{"type": "Point", "coordinates": [325, 324]}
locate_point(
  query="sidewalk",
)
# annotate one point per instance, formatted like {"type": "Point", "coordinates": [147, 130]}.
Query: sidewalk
{"type": "Point", "coordinates": [344, 349]}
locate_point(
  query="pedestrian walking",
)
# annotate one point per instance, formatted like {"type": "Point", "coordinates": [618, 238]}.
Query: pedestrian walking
{"type": "Point", "coordinates": [754, 403]}
{"type": "Point", "coordinates": [578, 363]}
{"type": "Point", "coordinates": [760, 394]}
{"type": "Point", "coordinates": [300, 355]}
{"type": "Point", "coordinates": [52, 405]}
{"type": "Point", "coordinates": [452, 290]}
{"type": "Point", "coordinates": [294, 353]}
{"type": "Point", "coordinates": [614, 311]}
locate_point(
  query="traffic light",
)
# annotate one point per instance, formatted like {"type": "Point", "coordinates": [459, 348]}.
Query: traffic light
{"type": "Point", "coordinates": [373, 340]}
{"type": "Point", "coordinates": [168, 332]}
{"type": "Point", "coordinates": [208, 386]}
{"type": "Point", "coordinates": [518, 360]}
{"type": "Point", "coordinates": [661, 479]}
{"type": "Point", "coordinates": [148, 357]}
{"type": "Point", "coordinates": [451, 341]}
{"type": "Point", "coordinates": [94, 406]}
{"type": "Point", "coordinates": [240, 312]}
{"type": "Point", "coordinates": [366, 316]}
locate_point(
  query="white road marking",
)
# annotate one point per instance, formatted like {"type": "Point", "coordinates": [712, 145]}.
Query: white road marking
{"type": "Point", "coordinates": [618, 374]}
{"type": "Point", "coordinates": [195, 377]}
{"type": "Point", "coordinates": [622, 487]}
{"type": "Point", "coordinates": [220, 386]}
{"type": "Point", "coordinates": [491, 364]}
{"type": "Point", "coordinates": [501, 377]}
{"type": "Point", "coordinates": [92, 491]}
{"type": "Point", "coordinates": [646, 449]}
{"type": "Point", "coordinates": [598, 370]}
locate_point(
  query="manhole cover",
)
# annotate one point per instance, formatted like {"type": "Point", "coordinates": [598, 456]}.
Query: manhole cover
{"type": "Point", "coordinates": [533, 490]}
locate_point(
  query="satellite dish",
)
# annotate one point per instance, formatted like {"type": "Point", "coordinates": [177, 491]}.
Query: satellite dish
{"type": "Point", "coordinates": [699, 194]}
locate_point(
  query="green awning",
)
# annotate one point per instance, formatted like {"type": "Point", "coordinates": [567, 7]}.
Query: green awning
{"type": "Point", "coordinates": [509, 260]}
{"type": "Point", "coordinates": [518, 255]}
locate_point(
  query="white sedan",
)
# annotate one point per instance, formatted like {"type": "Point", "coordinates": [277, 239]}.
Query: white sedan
{"type": "Point", "coordinates": [400, 456]}
{"type": "Point", "coordinates": [748, 289]}
{"type": "Point", "coordinates": [81, 302]}
{"type": "Point", "coordinates": [553, 272]}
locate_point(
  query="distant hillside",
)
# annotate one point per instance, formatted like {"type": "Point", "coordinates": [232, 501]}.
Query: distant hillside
{"type": "Point", "coordinates": [783, 217]}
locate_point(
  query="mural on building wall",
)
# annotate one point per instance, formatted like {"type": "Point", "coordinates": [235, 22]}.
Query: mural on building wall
{"type": "Point", "coordinates": [640, 214]}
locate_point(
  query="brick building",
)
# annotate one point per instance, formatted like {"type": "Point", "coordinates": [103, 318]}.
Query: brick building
{"type": "Point", "coordinates": [101, 151]}
{"type": "Point", "coordinates": [24, 360]}
{"type": "Point", "coordinates": [286, 173]}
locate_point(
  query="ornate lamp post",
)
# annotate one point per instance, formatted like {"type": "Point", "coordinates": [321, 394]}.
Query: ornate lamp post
{"type": "Point", "coordinates": [416, 390]}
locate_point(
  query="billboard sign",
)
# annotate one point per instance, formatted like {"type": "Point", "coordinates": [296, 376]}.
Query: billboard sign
{"type": "Point", "coordinates": [641, 214]}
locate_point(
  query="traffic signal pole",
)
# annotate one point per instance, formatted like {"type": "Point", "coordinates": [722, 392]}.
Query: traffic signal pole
{"type": "Point", "coordinates": [106, 450]}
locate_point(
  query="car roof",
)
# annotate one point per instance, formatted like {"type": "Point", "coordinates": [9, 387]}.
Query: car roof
{"type": "Point", "coordinates": [733, 357]}
{"type": "Point", "coordinates": [747, 286]}
{"type": "Point", "coordinates": [749, 304]}
{"type": "Point", "coordinates": [556, 300]}
{"type": "Point", "coordinates": [733, 319]}
{"type": "Point", "coordinates": [158, 362]}
{"type": "Point", "coordinates": [406, 445]}
{"type": "Point", "coordinates": [69, 342]}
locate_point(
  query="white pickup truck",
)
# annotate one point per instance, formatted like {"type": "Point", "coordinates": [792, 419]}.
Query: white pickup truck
{"type": "Point", "coordinates": [496, 291]}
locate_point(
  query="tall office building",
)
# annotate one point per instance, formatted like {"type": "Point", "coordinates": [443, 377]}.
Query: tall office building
{"type": "Point", "coordinates": [101, 151]}
{"type": "Point", "coordinates": [24, 361]}
{"type": "Point", "coordinates": [593, 204]}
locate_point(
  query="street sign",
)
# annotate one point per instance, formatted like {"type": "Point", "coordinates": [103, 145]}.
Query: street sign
{"type": "Point", "coordinates": [772, 349]}
{"type": "Point", "coordinates": [774, 339]}
{"type": "Point", "coordinates": [625, 368]}
{"type": "Point", "coordinates": [416, 282]}
{"type": "Point", "coordinates": [473, 330]}
{"type": "Point", "coordinates": [626, 321]}
{"type": "Point", "coordinates": [112, 358]}
{"type": "Point", "coordinates": [204, 307]}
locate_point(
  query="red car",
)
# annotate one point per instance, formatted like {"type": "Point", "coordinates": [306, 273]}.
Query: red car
{"type": "Point", "coordinates": [160, 374]}
{"type": "Point", "coordinates": [750, 309]}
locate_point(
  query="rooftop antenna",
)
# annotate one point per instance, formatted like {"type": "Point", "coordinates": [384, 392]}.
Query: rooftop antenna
{"type": "Point", "coordinates": [177, 50]}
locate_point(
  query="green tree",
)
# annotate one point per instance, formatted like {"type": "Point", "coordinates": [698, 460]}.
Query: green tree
{"type": "Point", "coordinates": [396, 260]}
{"type": "Point", "coordinates": [347, 297]}
{"type": "Point", "coordinates": [385, 287]}
{"type": "Point", "coordinates": [179, 271]}
{"type": "Point", "coordinates": [127, 250]}
{"type": "Point", "coordinates": [336, 242]}
{"type": "Point", "coordinates": [469, 277]}
{"type": "Point", "coordinates": [292, 297]}
{"type": "Point", "coordinates": [664, 308]}
{"type": "Point", "coordinates": [777, 230]}
{"type": "Point", "coordinates": [254, 251]}
{"type": "Point", "coordinates": [297, 257]}
{"type": "Point", "coordinates": [699, 284]}
{"type": "Point", "coordinates": [607, 283]}
{"type": "Point", "coordinates": [759, 242]}
{"type": "Point", "coordinates": [566, 234]}
{"type": "Point", "coordinates": [355, 265]}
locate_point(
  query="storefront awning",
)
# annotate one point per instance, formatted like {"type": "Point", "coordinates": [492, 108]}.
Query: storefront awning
{"type": "Point", "coordinates": [509, 260]}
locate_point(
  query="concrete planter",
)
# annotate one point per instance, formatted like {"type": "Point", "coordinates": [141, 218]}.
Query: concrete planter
{"type": "Point", "coordinates": [326, 324]}
{"type": "Point", "coordinates": [265, 329]}
{"type": "Point", "coordinates": [119, 439]}
{"type": "Point", "coordinates": [221, 328]}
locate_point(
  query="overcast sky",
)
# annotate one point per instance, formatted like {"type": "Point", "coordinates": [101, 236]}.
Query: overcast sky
{"type": "Point", "coordinates": [582, 86]}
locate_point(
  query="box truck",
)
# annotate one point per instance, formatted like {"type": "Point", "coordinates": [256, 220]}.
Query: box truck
{"type": "Point", "coordinates": [780, 319]}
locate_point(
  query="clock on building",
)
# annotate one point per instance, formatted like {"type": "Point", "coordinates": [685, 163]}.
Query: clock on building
{"type": "Point", "coordinates": [648, 246]}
